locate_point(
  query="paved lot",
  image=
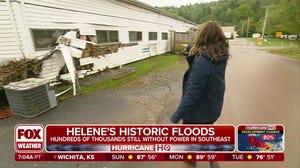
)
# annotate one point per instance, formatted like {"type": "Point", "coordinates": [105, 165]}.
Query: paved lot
{"type": "Point", "coordinates": [261, 88]}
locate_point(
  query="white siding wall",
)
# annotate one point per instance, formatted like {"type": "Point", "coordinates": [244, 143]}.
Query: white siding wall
{"type": "Point", "coordinates": [9, 42]}
{"type": "Point", "coordinates": [97, 15]}
{"type": "Point", "coordinates": [52, 66]}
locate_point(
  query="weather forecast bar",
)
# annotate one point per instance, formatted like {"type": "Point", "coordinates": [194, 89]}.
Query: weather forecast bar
{"type": "Point", "coordinates": [254, 142]}
{"type": "Point", "coordinates": [140, 134]}
{"type": "Point", "coordinates": [85, 157]}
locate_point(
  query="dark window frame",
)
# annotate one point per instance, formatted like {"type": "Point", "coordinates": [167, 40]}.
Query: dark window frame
{"type": "Point", "coordinates": [108, 36]}
{"type": "Point", "coordinates": [152, 36]}
{"type": "Point", "coordinates": [138, 36]}
{"type": "Point", "coordinates": [49, 37]}
{"type": "Point", "coordinates": [164, 36]}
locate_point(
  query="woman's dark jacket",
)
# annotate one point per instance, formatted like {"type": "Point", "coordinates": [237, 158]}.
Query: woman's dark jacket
{"type": "Point", "coordinates": [203, 90]}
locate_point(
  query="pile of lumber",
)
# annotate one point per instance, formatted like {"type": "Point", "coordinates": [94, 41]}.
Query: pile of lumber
{"type": "Point", "coordinates": [18, 70]}
{"type": "Point", "coordinates": [26, 68]}
{"type": "Point", "coordinates": [104, 49]}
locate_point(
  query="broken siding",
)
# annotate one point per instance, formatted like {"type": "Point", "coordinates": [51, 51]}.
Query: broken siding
{"type": "Point", "coordinates": [9, 46]}
{"type": "Point", "coordinates": [42, 17]}
{"type": "Point", "coordinates": [52, 66]}
{"type": "Point", "coordinates": [97, 15]}
{"type": "Point", "coordinates": [68, 14]}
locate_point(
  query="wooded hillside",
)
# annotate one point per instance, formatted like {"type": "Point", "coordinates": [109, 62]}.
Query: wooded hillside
{"type": "Point", "coordinates": [283, 15]}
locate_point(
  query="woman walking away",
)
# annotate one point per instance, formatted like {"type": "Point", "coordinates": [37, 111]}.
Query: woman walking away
{"type": "Point", "coordinates": [204, 81]}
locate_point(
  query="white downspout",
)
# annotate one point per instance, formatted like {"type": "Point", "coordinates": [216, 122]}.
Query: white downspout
{"type": "Point", "coordinates": [28, 50]}
{"type": "Point", "coordinates": [65, 50]}
{"type": "Point", "coordinates": [14, 26]}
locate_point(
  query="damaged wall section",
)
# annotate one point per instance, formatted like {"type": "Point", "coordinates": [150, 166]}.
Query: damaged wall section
{"type": "Point", "coordinates": [107, 22]}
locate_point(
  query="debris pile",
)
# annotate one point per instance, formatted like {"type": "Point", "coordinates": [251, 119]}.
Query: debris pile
{"type": "Point", "coordinates": [19, 69]}
{"type": "Point", "coordinates": [103, 49]}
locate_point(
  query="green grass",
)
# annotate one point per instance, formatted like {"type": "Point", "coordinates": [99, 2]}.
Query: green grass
{"type": "Point", "coordinates": [282, 43]}
{"type": "Point", "coordinates": [292, 52]}
{"type": "Point", "coordinates": [277, 42]}
{"type": "Point", "coordinates": [143, 68]}
{"type": "Point", "coordinates": [288, 48]}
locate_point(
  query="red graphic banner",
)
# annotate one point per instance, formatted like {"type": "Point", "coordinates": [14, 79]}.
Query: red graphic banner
{"type": "Point", "coordinates": [149, 157]}
{"type": "Point", "coordinates": [140, 134]}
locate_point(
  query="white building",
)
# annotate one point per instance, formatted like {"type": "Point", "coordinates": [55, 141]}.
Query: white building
{"type": "Point", "coordinates": [28, 26]}
{"type": "Point", "coordinates": [229, 32]}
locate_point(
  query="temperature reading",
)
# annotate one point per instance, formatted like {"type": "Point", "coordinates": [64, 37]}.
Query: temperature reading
{"type": "Point", "coordinates": [200, 157]}
{"type": "Point", "coordinates": [211, 157]}
{"type": "Point", "coordinates": [260, 157]}
{"type": "Point", "coordinates": [140, 157]}
{"type": "Point", "coordinates": [152, 157]}
{"type": "Point", "coordinates": [270, 157]}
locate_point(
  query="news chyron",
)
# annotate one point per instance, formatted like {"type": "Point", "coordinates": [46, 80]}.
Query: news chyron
{"type": "Point", "coordinates": [245, 142]}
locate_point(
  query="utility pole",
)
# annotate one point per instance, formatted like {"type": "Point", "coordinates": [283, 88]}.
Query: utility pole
{"type": "Point", "coordinates": [242, 29]}
{"type": "Point", "coordinates": [248, 26]}
{"type": "Point", "coordinates": [265, 21]}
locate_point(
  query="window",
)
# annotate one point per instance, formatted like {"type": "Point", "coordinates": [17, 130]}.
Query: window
{"type": "Point", "coordinates": [45, 38]}
{"type": "Point", "coordinates": [164, 36]}
{"type": "Point", "coordinates": [135, 36]}
{"type": "Point", "coordinates": [152, 35]}
{"type": "Point", "coordinates": [107, 36]}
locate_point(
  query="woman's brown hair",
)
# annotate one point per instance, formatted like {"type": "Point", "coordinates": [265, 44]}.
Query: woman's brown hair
{"type": "Point", "coordinates": [211, 40]}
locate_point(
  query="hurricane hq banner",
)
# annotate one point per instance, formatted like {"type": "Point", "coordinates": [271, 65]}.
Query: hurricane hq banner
{"type": "Point", "coordinates": [142, 142]}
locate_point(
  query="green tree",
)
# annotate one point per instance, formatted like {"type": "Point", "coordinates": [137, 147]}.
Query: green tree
{"type": "Point", "coordinates": [283, 14]}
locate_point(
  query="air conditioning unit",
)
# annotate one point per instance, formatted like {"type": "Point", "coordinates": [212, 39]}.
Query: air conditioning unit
{"type": "Point", "coordinates": [30, 97]}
